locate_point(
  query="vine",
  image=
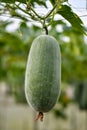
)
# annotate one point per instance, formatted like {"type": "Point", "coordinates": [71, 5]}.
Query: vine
{"type": "Point", "coordinates": [61, 7]}
{"type": "Point", "coordinates": [32, 14]}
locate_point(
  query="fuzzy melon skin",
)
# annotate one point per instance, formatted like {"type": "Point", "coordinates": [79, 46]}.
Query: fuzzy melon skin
{"type": "Point", "coordinates": [43, 73]}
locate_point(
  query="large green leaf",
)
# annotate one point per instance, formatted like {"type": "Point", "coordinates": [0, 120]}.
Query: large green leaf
{"type": "Point", "coordinates": [72, 18]}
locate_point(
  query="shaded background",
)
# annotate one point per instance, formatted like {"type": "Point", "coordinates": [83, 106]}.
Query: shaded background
{"type": "Point", "coordinates": [16, 36]}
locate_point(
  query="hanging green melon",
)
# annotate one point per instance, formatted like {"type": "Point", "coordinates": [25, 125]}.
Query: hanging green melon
{"type": "Point", "coordinates": [43, 74]}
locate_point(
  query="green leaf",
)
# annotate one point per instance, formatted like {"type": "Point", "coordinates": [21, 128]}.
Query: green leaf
{"type": "Point", "coordinates": [52, 2]}
{"type": "Point", "coordinates": [72, 18]}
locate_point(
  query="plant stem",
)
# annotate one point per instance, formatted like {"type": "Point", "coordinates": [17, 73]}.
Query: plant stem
{"type": "Point", "coordinates": [30, 14]}
{"type": "Point", "coordinates": [48, 14]}
{"type": "Point", "coordinates": [57, 3]}
{"type": "Point", "coordinates": [46, 30]}
{"type": "Point", "coordinates": [23, 10]}
{"type": "Point", "coordinates": [36, 13]}
{"type": "Point", "coordinates": [45, 27]}
{"type": "Point", "coordinates": [35, 16]}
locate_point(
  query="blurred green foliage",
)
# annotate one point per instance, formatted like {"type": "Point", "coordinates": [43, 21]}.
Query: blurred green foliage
{"type": "Point", "coordinates": [15, 46]}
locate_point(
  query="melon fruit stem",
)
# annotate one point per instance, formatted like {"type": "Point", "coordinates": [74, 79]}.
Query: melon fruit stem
{"type": "Point", "coordinates": [39, 116]}
{"type": "Point", "coordinates": [45, 27]}
{"type": "Point", "coordinates": [46, 30]}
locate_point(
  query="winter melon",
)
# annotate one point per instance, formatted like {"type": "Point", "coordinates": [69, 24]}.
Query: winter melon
{"type": "Point", "coordinates": [43, 74]}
